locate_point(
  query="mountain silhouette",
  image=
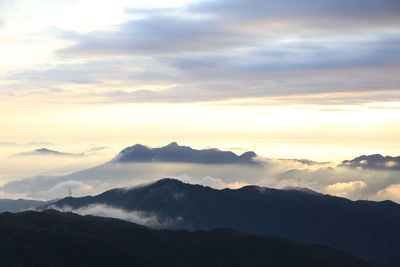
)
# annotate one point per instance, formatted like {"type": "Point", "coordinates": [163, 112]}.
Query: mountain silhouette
{"type": "Point", "coordinates": [176, 153]}
{"type": "Point", "coordinates": [364, 228]}
{"type": "Point", "coordinates": [51, 238]}
{"type": "Point", "coordinates": [373, 162]}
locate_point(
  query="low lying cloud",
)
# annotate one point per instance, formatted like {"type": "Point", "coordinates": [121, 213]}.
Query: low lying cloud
{"type": "Point", "coordinates": [345, 189]}
{"type": "Point", "coordinates": [138, 217]}
{"type": "Point", "coordinates": [353, 183]}
{"type": "Point", "coordinates": [76, 188]}
{"type": "Point", "coordinates": [391, 192]}
{"type": "Point", "coordinates": [216, 183]}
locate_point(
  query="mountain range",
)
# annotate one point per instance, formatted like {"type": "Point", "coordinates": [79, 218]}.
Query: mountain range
{"type": "Point", "coordinates": [364, 228]}
{"type": "Point", "coordinates": [51, 238]}
{"type": "Point", "coordinates": [373, 162]}
{"type": "Point", "coordinates": [176, 153]}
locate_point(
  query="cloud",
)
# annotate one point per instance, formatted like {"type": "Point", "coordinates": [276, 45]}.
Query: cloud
{"type": "Point", "coordinates": [391, 192]}
{"type": "Point", "coordinates": [146, 35]}
{"type": "Point", "coordinates": [77, 188]}
{"type": "Point", "coordinates": [355, 14]}
{"type": "Point", "coordinates": [345, 189]}
{"type": "Point", "coordinates": [290, 52]}
{"type": "Point", "coordinates": [138, 217]}
{"type": "Point", "coordinates": [216, 183]}
{"type": "Point", "coordinates": [353, 183]}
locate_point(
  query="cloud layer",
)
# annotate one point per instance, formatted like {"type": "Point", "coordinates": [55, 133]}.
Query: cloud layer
{"type": "Point", "coordinates": [353, 183]}
{"type": "Point", "coordinates": [217, 51]}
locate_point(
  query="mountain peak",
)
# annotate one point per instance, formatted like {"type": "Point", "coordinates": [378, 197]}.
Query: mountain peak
{"type": "Point", "coordinates": [173, 144]}
{"type": "Point", "coordinates": [168, 181]}
{"type": "Point", "coordinates": [184, 154]}
{"type": "Point", "coordinates": [47, 151]}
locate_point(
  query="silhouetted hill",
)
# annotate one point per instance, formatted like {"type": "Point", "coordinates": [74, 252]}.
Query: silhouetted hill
{"type": "Point", "coordinates": [373, 162]}
{"type": "Point", "coordinates": [176, 153]}
{"type": "Point", "coordinates": [364, 228]}
{"type": "Point", "coordinates": [52, 238]}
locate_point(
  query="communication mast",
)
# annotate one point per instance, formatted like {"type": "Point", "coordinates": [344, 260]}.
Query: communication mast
{"type": "Point", "coordinates": [69, 191]}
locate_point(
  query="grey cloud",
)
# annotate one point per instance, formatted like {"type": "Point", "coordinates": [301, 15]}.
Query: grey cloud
{"type": "Point", "coordinates": [216, 55]}
{"type": "Point", "coordinates": [316, 13]}
{"type": "Point", "coordinates": [157, 34]}
{"type": "Point", "coordinates": [274, 71]}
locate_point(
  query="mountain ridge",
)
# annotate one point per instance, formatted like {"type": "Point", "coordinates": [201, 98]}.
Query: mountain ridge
{"type": "Point", "coordinates": [176, 153]}
{"type": "Point", "coordinates": [52, 238]}
{"type": "Point", "coordinates": [305, 217]}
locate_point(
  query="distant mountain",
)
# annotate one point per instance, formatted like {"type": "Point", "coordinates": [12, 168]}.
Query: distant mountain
{"type": "Point", "coordinates": [176, 153]}
{"type": "Point", "coordinates": [373, 162]}
{"type": "Point", "coordinates": [52, 238]}
{"type": "Point", "coordinates": [17, 205]}
{"type": "Point", "coordinates": [364, 228]}
{"type": "Point", "coordinates": [45, 151]}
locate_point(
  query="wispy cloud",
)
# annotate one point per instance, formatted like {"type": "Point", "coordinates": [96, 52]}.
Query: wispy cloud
{"type": "Point", "coordinates": [138, 217]}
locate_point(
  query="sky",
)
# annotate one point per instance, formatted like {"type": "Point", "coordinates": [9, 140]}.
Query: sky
{"type": "Point", "coordinates": [301, 79]}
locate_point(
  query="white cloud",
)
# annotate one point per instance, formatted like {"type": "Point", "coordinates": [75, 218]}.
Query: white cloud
{"type": "Point", "coordinates": [345, 189]}
{"type": "Point", "coordinates": [220, 184]}
{"type": "Point", "coordinates": [62, 189]}
{"type": "Point", "coordinates": [392, 192]}
{"type": "Point", "coordinates": [142, 218]}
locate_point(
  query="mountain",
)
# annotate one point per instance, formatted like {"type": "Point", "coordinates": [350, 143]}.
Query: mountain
{"type": "Point", "coordinates": [17, 205]}
{"type": "Point", "coordinates": [46, 151]}
{"type": "Point", "coordinates": [51, 238]}
{"type": "Point", "coordinates": [373, 162]}
{"type": "Point", "coordinates": [364, 228]}
{"type": "Point", "coordinates": [176, 153]}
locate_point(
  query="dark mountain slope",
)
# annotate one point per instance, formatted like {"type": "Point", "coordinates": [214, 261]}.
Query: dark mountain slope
{"type": "Point", "coordinates": [52, 238]}
{"type": "Point", "coordinates": [364, 228]}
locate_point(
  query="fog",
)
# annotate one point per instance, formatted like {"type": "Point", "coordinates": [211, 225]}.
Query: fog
{"type": "Point", "coordinates": [57, 175]}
